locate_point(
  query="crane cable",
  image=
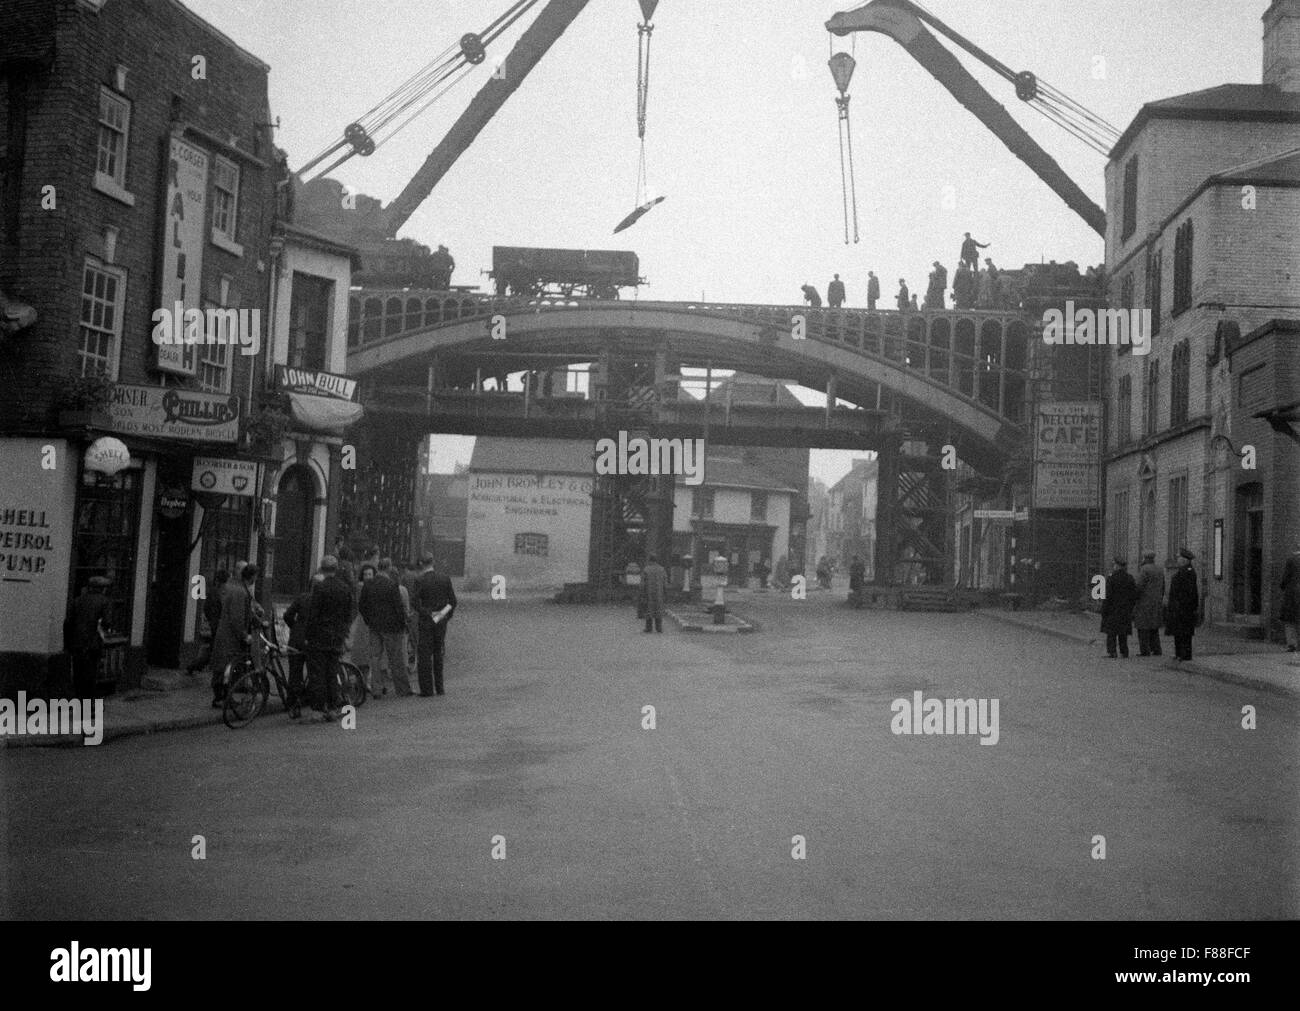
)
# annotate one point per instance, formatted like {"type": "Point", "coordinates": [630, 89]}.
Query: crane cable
{"type": "Point", "coordinates": [453, 62]}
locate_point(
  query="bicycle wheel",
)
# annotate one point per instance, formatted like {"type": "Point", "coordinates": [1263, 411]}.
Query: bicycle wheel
{"type": "Point", "coordinates": [353, 683]}
{"type": "Point", "coordinates": [245, 700]}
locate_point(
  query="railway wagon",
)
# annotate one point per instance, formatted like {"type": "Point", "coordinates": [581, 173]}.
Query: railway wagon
{"type": "Point", "coordinates": [586, 273]}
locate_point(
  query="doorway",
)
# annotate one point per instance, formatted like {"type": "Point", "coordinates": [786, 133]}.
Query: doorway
{"type": "Point", "coordinates": [1248, 551]}
{"type": "Point", "coordinates": [294, 507]}
{"type": "Point", "coordinates": [168, 588]}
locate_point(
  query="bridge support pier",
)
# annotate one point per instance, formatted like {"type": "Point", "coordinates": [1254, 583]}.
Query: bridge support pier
{"type": "Point", "coordinates": [914, 538]}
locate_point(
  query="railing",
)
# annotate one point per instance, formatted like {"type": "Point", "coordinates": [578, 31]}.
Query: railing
{"type": "Point", "coordinates": [981, 355]}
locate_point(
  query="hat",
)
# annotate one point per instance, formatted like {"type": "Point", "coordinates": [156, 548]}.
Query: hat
{"type": "Point", "coordinates": [1184, 553]}
{"type": "Point", "coordinates": [101, 582]}
{"type": "Point", "coordinates": [1148, 556]}
{"type": "Point", "coordinates": [329, 564]}
{"type": "Point", "coordinates": [1121, 561]}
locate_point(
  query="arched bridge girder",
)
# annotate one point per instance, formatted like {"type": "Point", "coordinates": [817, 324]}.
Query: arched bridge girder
{"type": "Point", "coordinates": [967, 368]}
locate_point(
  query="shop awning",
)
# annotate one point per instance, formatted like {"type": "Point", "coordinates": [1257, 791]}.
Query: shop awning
{"type": "Point", "coordinates": [323, 414]}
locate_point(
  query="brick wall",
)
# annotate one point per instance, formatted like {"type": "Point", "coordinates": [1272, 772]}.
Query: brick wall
{"type": "Point", "coordinates": [155, 40]}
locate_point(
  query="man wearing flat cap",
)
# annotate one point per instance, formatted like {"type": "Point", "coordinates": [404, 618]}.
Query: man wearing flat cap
{"type": "Point", "coordinates": [83, 635]}
{"type": "Point", "coordinates": [1184, 606]}
{"type": "Point", "coordinates": [1117, 609]}
{"type": "Point", "coordinates": [1149, 612]}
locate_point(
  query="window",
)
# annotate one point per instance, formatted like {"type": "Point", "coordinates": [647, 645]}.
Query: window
{"type": "Point", "coordinates": [1177, 525]}
{"type": "Point", "coordinates": [225, 202]}
{"type": "Point", "coordinates": [702, 503]}
{"type": "Point", "coordinates": [102, 295]}
{"type": "Point", "coordinates": [1130, 199]}
{"type": "Point", "coordinates": [1125, 302]}
{"type": "Point", "coordinates": [758, 507]}
{"type": "Point", "coordinates": [214, 358]}
{"type": "Point", "coordinates": [309, 314]}
{"type": "Point", "coordinates": [1183, 268]}
{"type": "Point", "coordinates": [538, 545]}
{"type": "Point", "coordinates": [1179, 382]}
{"type": "Point", "coordinates": [1119, 544]}
{"type": "Point", "coordinates": [1151, 398]}
{"type": "Point", "coordinates": [1124, 411]}
{"type": "Point", "coordinates": [1155, 278]}
{"type": "Point", "coordinates": [114, 134]}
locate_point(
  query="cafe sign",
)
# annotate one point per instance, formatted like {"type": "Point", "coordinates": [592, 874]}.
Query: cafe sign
{"type": "Point", "coordinates": [172, 413]}
{"type": "Point", "coordinates": [224, 477]}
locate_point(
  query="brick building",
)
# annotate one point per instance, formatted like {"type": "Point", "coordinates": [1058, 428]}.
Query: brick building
{"type": "Point", "coordinates": [1203, 196]}
{"type": "Point", "coordinates": [137, 172]}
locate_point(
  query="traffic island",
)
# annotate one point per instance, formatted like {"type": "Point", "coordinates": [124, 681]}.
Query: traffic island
{"type": "Point", "coordinates": [705, 622]}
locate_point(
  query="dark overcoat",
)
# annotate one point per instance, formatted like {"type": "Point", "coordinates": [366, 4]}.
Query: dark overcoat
{"type": "Point", "coordinates": [1291, 590]}
{"type": "Point", "coordinates": [1149, 612]}
{"type": "Point", "coordinates": [1184, 603]}
{"type": "Point", "coordinates": [228, 642]}
{"type": "Point", "coordinates": [1117, 608]}
{"type": "Point", "coordinates": [654, 583]}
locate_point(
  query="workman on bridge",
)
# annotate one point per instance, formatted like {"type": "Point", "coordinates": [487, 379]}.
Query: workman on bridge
{"type": "Point", "coordinates": [811, 297]}
{"type": "Point", "coordinates": [970, 251]}
{"type": "Point", "coordinates": [964, 287]}
{"type": "Point", "coordinates": [443, 266]}
{"type": "Point", "coordinates": [835, 293]}
{"type": "Point", "coordinates": [903, 299]}
{"type": "Point", "coordinates": [934, 294]}
{"type": "Point", "coordinates": [873, 289]}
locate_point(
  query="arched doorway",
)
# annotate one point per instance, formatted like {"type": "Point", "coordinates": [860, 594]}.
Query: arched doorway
{"type": "Point", "coordinates": [294, 503]}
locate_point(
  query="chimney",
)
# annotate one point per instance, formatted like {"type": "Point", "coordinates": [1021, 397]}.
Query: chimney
{"type": "Point", "coordinates": [1282, 45]}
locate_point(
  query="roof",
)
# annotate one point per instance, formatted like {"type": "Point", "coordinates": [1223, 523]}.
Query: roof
{"type": "Point", "coordinates": [1258, 102]}
{"type": "Point", "coordinates": [861, 472]}
{"type": "Point", "coordinates": [752, 390]}
{"type": "Point", "coordinates": [324, 243]}
{"type": "Point", "coordinates": [1280, 168]}
{"type": "Point", "coordinates": [532, 456]}
{"type": "Point", "coordinates": [726, 472]}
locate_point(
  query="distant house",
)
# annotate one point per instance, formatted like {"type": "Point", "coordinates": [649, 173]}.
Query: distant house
{"type": "Point", "coordinates": [528, 513]}
{"type": "Point", "coordinates": [850, 516]}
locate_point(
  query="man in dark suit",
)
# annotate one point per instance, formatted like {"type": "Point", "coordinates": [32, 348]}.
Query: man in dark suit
{"type": "Point", "coordinates": [385, 615]}
{"type": "Point", "coordinates": [435, 603]}
{"type": "Point", "coordinates": [329, 620]}
{"type": "Point", "coordinates": [83, 635]}
{"type": "Point", "coordinates": [1117, 609]}
{"type": "Point", "coordinates": [1184, 606]}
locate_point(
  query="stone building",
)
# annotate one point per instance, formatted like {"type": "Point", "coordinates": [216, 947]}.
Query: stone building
{"type": "Point", "coordinates": [1203, 196]}
{"type": "Point", "coordinates": [134, 175]}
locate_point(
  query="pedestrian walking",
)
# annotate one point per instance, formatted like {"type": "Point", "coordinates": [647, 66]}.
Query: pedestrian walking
{"type": "Point", "coordinates": [654, 583]}
{"type": "Point", "coordinates": [233, 637]}
{"type": "Point", "coordinates": [329, 618]}
{"type": "Point", "coordinates": [857, 580]}
{"type": "Point", "coordinates": [1149, 613]}
{"type": "Point", "coordinates": [1290, 612]}
{"type": "Point", "coordinates": [435, 603]}
{"type": "Point", "coordinates": [1117, 609]}
{"type": "Point", "coordinates": [384, 612]}
{"type": "Point", "coordinates": [835, 293]}
{"type": "Point", "coordinates": [970, 251]}
{"type": "Point", "coordinates": [811, 296]}
{"type": "Point", "coordinates": [84, 632]}
{"type": "Point", "coordinates": [296, 620]}
{"type": "Point", "coordinates": [359, 635]}
{"type": "Point", "coordinates": [211, 619]}
{"type": "Point", "coordinates": [873, 289]}
{"type": "Point", "coordinates": [1184, 606]}
{"type": "Point", "coordinates": [902, 299]}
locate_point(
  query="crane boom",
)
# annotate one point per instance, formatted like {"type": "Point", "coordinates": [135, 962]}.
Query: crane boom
{"type": "Point", "coordinates": [528, 51]}
{"type": "Point", "coordinates": [902, 22]}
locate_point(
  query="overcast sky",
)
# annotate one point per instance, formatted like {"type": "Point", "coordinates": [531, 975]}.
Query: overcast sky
{"type": "Point", "coordinates": [742, 130]}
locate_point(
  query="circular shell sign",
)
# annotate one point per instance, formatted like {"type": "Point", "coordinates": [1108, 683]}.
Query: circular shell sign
{"type": "Point", "coordinates": [107, 456]}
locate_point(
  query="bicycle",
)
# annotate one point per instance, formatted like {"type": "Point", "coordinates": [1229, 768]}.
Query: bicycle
{"type": "Point", "coordinates": [250, 685]}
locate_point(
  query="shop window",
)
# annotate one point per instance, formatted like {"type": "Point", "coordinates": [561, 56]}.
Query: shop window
{"type": "Point", "coordinates": [108, 517]}
{"type": "Point", "coordinates": [538, 545]}
{"type": "Point", "coordinates": [103, 291]}
{"type": "Point", "coordinates": [225, 200]}
{"type": "Point", "coordinates": [702, 503]}
{"type": "Point", "coordinates": [226, 538]}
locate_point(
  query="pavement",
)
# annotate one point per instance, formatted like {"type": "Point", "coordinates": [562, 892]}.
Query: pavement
{"type": "Point", "coordinates": [577, 768]}
{"type": "Point", "coordinates": [1215, 654]}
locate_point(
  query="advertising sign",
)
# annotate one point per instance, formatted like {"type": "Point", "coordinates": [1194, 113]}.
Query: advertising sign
{"type": "Point", "coordinates": [1067, 447]}
{"type": "Point", "coordinates": [171, 413]}
{"type": "Point", "coordinates": [182, 246]}
{"type": "Point", "coordinates": [224, 477]}
{"type": "Point", "coordinates": [315, 383]}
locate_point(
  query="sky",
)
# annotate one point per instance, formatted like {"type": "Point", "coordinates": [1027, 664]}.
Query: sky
{"type": "Point", "coordinates": [742, 135]}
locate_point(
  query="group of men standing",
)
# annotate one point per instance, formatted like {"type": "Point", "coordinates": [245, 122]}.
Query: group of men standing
{"type": "Point", "coordinates": [972, 287]}
{"type": "Point", "coordinates": [1142, 602]}
{"type": "Point", "coordinates": [320, 622]}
